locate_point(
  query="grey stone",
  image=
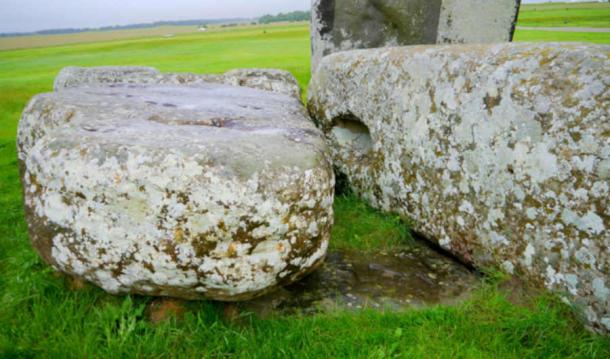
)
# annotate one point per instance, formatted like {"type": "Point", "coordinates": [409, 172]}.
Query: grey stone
{"type": "Point", "coordinates": [201, 191]}
{"type": "Point", "coordinates": [497, 152]}
{"type": "Point", "coordinates": [273, 80]}
{"type": "Point", "coordinates": [339, 25]}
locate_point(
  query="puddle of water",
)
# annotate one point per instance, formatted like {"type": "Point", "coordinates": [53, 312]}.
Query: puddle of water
{"type": "Point", "coordinates": [412, 277]}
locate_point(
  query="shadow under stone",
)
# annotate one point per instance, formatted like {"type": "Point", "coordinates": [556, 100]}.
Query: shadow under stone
{"type": "Point", "coordinates": [414, 276]}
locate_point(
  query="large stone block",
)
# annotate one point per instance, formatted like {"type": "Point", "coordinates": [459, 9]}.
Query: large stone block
{"type": "Point", "coordinates": [500, 153]}
{"type": "Point", "coordinates": [339, 25]}
{"type": "Point", "coordinates": [199, 191]}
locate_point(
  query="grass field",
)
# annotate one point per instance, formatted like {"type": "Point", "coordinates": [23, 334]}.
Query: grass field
{"type": "Point", "coordinates": [164, 32]}
{"type": "Point", "coordinates": [546, 36]}
{"type": "Point", "coordinates": [40, 316]}
{"type": "Point", "coordinates": [31, 41]}
{"type": "Point", "coordinates": [588, 14]}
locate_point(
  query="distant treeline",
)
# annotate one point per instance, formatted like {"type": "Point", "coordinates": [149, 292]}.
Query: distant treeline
{"type": "Point", "coordinates": [132, 26]}
{"type": "Point", "coordinates": [290, 16]}
{"type": "Point", "coordinates": [281, 17]}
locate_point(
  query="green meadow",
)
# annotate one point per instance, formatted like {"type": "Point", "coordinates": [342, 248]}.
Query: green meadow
{"type": "Point", "coordinates": [585, 14]}
{"type": "Point", "coordinates": [43, 315]}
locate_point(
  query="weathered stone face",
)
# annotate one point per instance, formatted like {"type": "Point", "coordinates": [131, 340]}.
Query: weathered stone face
{"type": "Point", "coordinates": [477, 21]}
{"type": "Point", "coordinates": [207, 191]}
{"type": "Point", "coordinates": [339, 25]}
{"type": "Point", "coordinates": [500, 153]}
{"type": "Point", "coordinates": [273, 80]}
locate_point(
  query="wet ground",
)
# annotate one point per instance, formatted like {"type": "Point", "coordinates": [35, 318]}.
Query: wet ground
{"type": "Point", "coordinates": [410, 277]}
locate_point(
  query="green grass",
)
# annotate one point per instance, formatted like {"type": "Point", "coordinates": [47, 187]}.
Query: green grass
{"type": "Point", "coordinates": [51, 322]}
{"type": "Point", "coordinates": [357, 226]}
{"type": "Point", "coordinates": [546, 36]}
{"type": "Point", "coordinates": [41, 317]}
{"type": "Point", "coordinates": [590, 14]}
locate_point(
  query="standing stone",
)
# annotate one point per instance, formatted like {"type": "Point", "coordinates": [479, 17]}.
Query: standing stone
{"type": "Point", "coordinates": [339, 25]}
{"type": "Point", "coordinates": [500, 153]}
{"type": "Point", "coordinates": [190, 191]}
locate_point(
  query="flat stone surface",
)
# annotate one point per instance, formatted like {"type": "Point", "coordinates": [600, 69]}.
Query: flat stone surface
{"type": "Point", "coordinates": [413, 276]}
{"type": "Point", "coordinates": [339, 25]}
{"type": "Point", "coordinates": [500, 153]}
{"type": "Point", "coordinates": [273, 80]}
{"type": "Point", "coordinates": [206, 191]}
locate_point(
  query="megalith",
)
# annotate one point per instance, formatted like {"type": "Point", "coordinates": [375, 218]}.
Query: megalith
{"type": "Point", "coordinates": [198, 191]}
{"type": "Point", "coordinates": [339, 25]}
{"type": "Point", "coordinates": [498, 152]}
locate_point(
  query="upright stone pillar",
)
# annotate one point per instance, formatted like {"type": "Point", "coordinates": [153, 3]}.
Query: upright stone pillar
{"type": "Point", "coordinates": [339, 25]}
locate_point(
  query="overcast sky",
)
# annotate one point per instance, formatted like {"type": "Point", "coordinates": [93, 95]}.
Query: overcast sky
{"type": "Point", "coordinates": [33, 15]}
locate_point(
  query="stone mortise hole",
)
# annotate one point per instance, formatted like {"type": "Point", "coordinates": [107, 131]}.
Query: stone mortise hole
{"type": "Point", "coordinates": [353, 135]}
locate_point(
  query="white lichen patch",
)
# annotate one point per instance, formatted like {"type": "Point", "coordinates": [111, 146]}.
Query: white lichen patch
{"type": "Point", "coordinates": [498, 152]}
{"type": "Point", "coordinates": [198, 191]}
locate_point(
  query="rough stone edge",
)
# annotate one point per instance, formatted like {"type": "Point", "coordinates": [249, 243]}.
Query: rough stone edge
{"type": "Point", "coordinates": [515, 21]}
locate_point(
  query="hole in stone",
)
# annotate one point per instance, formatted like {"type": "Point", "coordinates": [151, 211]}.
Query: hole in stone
{"type": "Point", "coordinates": [351, 134]}
{"type": "Point", "coordinates": [342, 185]}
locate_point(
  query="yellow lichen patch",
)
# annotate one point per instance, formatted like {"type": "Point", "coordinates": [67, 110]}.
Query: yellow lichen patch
{"type": "Point", "coordinates": [179, 235]}
{"type": "Point", "coordinates": [232, 250]}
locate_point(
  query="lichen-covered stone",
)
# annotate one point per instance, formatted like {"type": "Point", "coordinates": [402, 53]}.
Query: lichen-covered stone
{"type": "Point", "coordinates": [206, 191]}
{"type": "Point", "coordinates": [339, 25]}
{"type": "Point", "coordinates": [279, 81]}
{"type": "Point", "coordinates": [500, 153]}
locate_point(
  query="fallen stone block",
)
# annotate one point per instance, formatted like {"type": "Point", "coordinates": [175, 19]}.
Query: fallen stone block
{"type": "Point", "coordinates": [339, 25]}
{"type": "Point", "coordinates": [500, 153]}
{"type": "Point", "coordinates": [273, 80]}
{"type": "Point", "coordinates": [203, 191]}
